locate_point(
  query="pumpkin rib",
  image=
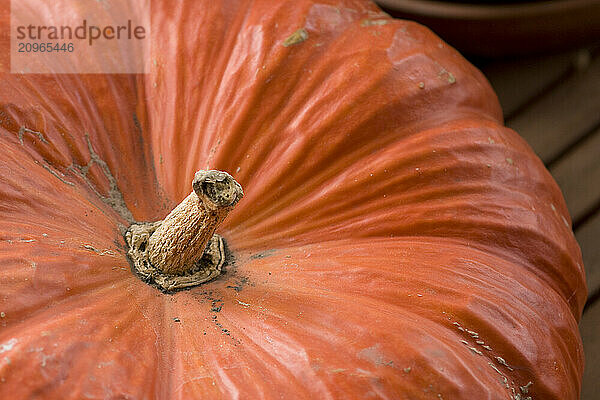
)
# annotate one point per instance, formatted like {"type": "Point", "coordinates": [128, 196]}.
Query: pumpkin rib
{"type": "Point", "coordinates": [50, 339]}
{"type": "Point", "coordinates": [446, 225]}
{"type": "Point", "coordinates": [37, 196]}
{"type": "Point", "coordinates": [208, 389]}
{"type": "Point", "coordinates": [67, 131]}
{"type": "Point", "coordinates": [308, 175]}
{"type": "Point", "coordinates": [38, 312]}
{"type": "Point", "coordinates": [284, 375]}
{"type": "Point", "coordinates": [344, 350]}
{"type": "Point", "coordinates": [70, 270]}
{"type": "Point", "coordinates": [233, 132]}
{"type": "Point", "coordinates": [465, 319]}
{"type": "Point", "coordinates": [486, 238]}
{"type": "Point", "coordinates": [399, 161]}
{"type": "Point", "coordinates": [344, 166]}
{"type": "Point", "coordinates": [298, 389]}
{"type": "Point", "coordinates": [280, 149]}
{"type": "Point", "coordinates": [177, 112]}
{"type": "Point", "coordinates": [531, 276]}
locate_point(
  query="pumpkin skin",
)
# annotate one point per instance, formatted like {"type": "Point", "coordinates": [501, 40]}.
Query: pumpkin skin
{"type": "Point", "coordinates": [387, 226]}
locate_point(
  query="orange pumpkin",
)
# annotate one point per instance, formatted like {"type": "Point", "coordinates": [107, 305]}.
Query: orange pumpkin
{"type": "Point", "coordinates": [394, 240]}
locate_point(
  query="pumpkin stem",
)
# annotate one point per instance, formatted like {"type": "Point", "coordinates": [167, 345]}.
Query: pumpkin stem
{"type": "Point", "coordinates": [181, 250]}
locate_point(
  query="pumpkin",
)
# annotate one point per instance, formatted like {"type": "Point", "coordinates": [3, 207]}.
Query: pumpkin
{"type": "Point", "coordinates": [394, 240]}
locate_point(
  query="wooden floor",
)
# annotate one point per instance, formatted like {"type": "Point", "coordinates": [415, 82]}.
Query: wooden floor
{"type": "Point", "coordinates": [554, 103]}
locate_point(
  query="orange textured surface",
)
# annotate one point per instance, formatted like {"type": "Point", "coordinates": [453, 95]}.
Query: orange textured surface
{"type": "Point", "coordinates": [394, 241]}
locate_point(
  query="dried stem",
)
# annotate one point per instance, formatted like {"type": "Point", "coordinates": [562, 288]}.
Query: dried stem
{"type": "Point", "coordinates": [181, 238]}
{"type": "Point", "coordinates": [173, 253]}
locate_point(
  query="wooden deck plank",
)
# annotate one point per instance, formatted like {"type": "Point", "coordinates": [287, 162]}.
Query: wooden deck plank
{"type": "Point", "coordinates": [562, 116]}
{"type": "Point", "coordinates": [588, 236]}
{"type": "Point", "coordinates": [590, 333]}
{"type": "Point", "coordinates": [578, 175]}
{"type": "Point", "coordinates": [517, 82]}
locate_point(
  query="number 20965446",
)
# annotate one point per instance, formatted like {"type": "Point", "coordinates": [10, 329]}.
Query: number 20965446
{"type": "Point", "coordinates": [27, 47]}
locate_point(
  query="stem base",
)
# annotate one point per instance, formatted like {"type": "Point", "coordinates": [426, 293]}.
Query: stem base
{"type": "Point", "coordinates": [208, 267]}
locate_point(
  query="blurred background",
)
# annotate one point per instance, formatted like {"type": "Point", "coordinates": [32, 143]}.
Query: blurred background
{"type": "Point", "coordinates": [543, 60]}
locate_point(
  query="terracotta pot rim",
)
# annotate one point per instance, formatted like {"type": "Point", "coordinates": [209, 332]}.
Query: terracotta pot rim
{"type": "Point", "coordinates": [470, 11]}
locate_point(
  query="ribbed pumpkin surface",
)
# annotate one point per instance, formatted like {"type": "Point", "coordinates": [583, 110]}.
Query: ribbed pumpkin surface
{"type": "Point", "coordinates": [395, 240]}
